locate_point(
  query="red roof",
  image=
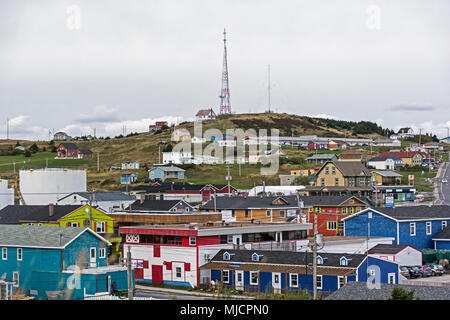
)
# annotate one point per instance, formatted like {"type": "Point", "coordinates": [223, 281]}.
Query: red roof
{"type": "Point", "coordinates": [205, 112]}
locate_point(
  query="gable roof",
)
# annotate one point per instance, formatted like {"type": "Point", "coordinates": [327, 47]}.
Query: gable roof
{"type": "Point", "coordinates": [444, 234]}
{"type": "Point", "coordinates": [388, 248]}
{"type": "Point", "coordinates": [290, 258]}
{"type": "Point", "coordinates": [384, 158]}
{"type": "Point", "coordinates": [353, 290]}
{"type": "Point", "coordinates": [168, 169]}
{"type": "Point", "coordinates": [351, 154]}
{"type": "Point", "coordinates": [322, 156]}
{"type": "Point", "coordinates": [400, 154]}
{"type": "Point", "coordinates": [205, 112]}
{"type": "Point", "coordinates": [155, 205]}
{"type": "Point", "coordinates": [348, 168]}
{"type": "Point", "coordinates": [69, 145]}
{"type": "Point", "coordinates": [102, 196]}
{"type": "Point", "coordinates": [254, 202]}
{"type": "Point", "coordinates": [86, 151]}
{"type": "Point", "coordinates": [15, 214]}
{"type": "Point", "coordinates": [387, 173]}
{"type": "Point", "coordinates": [410, 213]}
{"type": "Point", "coordinates": [41, 236]}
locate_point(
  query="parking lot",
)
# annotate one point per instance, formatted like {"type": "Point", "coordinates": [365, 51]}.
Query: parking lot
{"type": "Point", "coordinates": [443, 280]}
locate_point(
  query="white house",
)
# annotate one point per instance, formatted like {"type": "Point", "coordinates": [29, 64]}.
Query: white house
{"type": "Point", "coordinates": [385, 163]}
{"type": "Point", "coordinates": [108, 201]}
{"type": "Point", "coordinates": [6, 194]}
{"type": "Point", "coordinates": [206, 114]}
{"type": "Point", "coordinates": [177, 157]}
{"type": "Point", "coordinates": [402, 254]}
{"type": "Point", "coordinates": [181, 135]}
{"type": "Point", "coordinates": [130, 165]}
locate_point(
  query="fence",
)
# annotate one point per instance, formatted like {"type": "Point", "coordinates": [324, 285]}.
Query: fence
{"type": "Point", "coordinates": [111, 297]}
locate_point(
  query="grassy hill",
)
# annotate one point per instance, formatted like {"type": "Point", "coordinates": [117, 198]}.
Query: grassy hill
{"type": "Point", "coordinates": [143, 147]}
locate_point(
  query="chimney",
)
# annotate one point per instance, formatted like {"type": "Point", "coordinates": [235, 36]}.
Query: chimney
{"type": "Point", "coordinates": [142, 198]}
{"type": "Point", "coordinates": [51, 209]}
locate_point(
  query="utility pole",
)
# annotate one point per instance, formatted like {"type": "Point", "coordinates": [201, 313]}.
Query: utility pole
{"type": "Point", "coordinates": [228, 179]}
{"type": "Point", "coordinates": [90, 210]}
{"type": "Point", "coordinates": [315, 258]}
{"type": "Point", "coordinates": [129, 275]}
{"type": "Point", "coordinates": [420, 136]}
{"type": "Point", "coordinates": [98, 161]}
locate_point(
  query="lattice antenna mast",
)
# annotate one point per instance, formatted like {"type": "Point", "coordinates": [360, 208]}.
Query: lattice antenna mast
{"type": "Point", "coordinates": [225, 106]}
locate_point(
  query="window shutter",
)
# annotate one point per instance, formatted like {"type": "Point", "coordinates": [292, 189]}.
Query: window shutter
{"type": "Point", "coordinates": [145, 264]}
{"type": "Point", "coordinates": [157, 251]}
{"type": "Point", "coordinates": [168, 265]}
{"type": "Point", "coordinates": [95, 226]}
{"type": "Point", "coordinates": [106, 226]}
{"type": "Point", "coordinates": [187, 266]}
{"type": "Point", "coordinates": [68, 224]}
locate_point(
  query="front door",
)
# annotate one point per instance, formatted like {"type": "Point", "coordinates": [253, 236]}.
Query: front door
{"type": "Point", "coordinates": [93, 257]}
{"type": "Point", "coordinates": [157, 274]}
{"type": "Point", "coordinates": [239, 280]}
{"type": "Point", "coordinates": [276, 282]}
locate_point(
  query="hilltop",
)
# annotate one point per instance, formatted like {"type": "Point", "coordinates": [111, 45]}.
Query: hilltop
{"type": "Point", "coordinates": [143, 147]}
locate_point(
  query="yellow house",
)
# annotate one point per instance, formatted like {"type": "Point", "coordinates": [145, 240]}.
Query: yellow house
{"type": "Point", "coordinates": [343, 174]}
{"type": "Point", "coordinates": [386, 178]}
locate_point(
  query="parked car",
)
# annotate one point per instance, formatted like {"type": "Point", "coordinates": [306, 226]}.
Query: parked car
{"type": "Point", "coordinates": [444, 180]}
{"type": "Point", "coordinates": [427, 272]}
{"type": "Point", "coordinates": [436, 269]}
{"type": "Point", "coordinates": [414, 272]}
{"type": "Point", "coordinates": [418, 270]}
{"type": "Point", "coordinates": [404, 271]}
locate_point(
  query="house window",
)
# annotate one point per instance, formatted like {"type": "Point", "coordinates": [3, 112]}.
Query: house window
{"type": "Point", "coordinates": [351, 182]}
{"type": "Point", "coordinates": [341, 225]}
{"type": "Point", "coordinates": [444, 224]}
{"type": "Point", "coordinates": [246, 213]}
{"type": "Point", "coordinates": [344, 210]}
{"type": "Point", "coordinates": [282, 213]}
{"type": "Point", "coordinates": [412, 229]}
{"type": "Point", "coordinates": [4, 254]}
{"type": "Point", "coordinates": [331, 225]}
{"type": "Point", "coordinates": [253, 277]}
{"type": "Point", "coordinates": [74, 224]}
{"type": "Point", "coordinates": [428, 228]}
{"type": "Point", "coordinates": [327, 170]}
{"type": "Point", "coordinates": [293, 279]}
{"type": "Point", "coordinates": [322, 182]}
{"type": "Point", "coordinates": [333, 170]}
{"type": "Point", "coordinates": [100, 227]}
{"type": "Point", "coordinates": [358, 209]}
{"type": "Point", "coordinates": [19, 254]}
{"type": "Point", "coordinates": [319, 282]}
{"type": "Point", "coordinates": [341, 281]}
{"type": "Point", "coordinates": [319, 260]}
{"type": "Point", "coordinates": [16, 279]}
{"type": "Point", "coordinates": [391, 278]}
{"type": "Point", "coordinates": [178, 272]}
{"type": "Point", "coordinates": [192, 241]}
{"type": "Point", "coordinates": [226, 276]}
{"type": "Point", "coordinates": [267, 213]}
{"type": "Point", "coordinates": [344, 262]}
{"type": "Point", "coordinates": [102, 253]}
{"type": "Point", "coordinates": [336, 181]}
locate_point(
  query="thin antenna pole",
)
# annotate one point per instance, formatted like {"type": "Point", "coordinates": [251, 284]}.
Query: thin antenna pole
{"type": "Point", "coordinates": [268, 84]}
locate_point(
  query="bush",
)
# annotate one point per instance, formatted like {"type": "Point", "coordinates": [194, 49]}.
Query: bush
{"type": "Point", "coordinates": [27, 153]}
{"type": "Point", "coordinates": [401, 294]}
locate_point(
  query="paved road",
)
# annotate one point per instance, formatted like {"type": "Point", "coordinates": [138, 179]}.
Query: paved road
{"type": "Point", "coordinates": [445, 187]}
{"type": "Point", "coordinates": [167, 295]}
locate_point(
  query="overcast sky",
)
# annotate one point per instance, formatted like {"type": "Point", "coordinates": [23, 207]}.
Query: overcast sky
{"type": "Point", "coordinates": [79, 65]}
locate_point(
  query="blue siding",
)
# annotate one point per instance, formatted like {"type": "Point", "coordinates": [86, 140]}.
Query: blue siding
{"type": "Point", "coordinates": [380, 226]}
{"type": "Point", "coordinates": [421, 240]}
{"type": "Point", "coordinates": [442, 245]}
{"type": "Point", "coordinates": [385, 266]}
{"type": "Point", "coordinates": [77, 253]}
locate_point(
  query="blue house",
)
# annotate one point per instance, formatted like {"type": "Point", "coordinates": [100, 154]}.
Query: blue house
{"type": "Point", "coordinates": [286, 272]}
{"type": "Point", "coordinates": [415, 225]}
{"type": "Point", "coordinates": [128, 178]}
{"type": "Point", "coordinates": [163, 173]}
{"type": "Point", "coordinates": [442, 239]}
{"type": "Point", "coordinates": [48, 262]}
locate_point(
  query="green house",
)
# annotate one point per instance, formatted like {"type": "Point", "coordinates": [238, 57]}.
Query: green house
{"type": "Point", "coordinates": [64, 216]}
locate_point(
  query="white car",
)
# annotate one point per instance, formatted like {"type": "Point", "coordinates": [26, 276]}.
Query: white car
{"type": "Point", "coordinates": [444, 180]}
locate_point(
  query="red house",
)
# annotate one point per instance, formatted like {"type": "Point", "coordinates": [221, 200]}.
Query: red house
{"type": "Point", "coordinates": [330, 210]}
{"type": "Point", "coordinates": [68, 150]}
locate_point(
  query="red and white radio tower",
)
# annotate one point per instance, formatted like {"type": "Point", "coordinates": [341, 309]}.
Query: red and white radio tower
{"type": "Point", "coordinates": [225, 106]}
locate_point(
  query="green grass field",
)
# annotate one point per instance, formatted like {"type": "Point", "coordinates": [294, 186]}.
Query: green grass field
{"type": "Point", "coordinates": [38, 160]}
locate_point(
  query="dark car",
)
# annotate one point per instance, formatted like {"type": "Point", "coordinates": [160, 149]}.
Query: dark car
{"type": "Point", "coordinates": [414, 272]}
{"type": "Point", "coordinates": [418, 270]}
{"type": "Point", "coordinates": [436, 269]}
{"type": "Point", "coordinates": [427, 272]}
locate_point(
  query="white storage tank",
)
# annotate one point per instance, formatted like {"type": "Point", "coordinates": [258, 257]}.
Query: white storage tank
{"type": "Point", "coordinates": [6, 194]}
{"type": "Point", "coordinates": [44, 186]}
